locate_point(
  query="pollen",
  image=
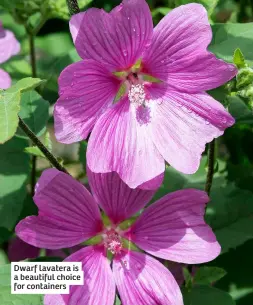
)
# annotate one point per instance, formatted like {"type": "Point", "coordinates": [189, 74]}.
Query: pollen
{"type": "Point", "coordinates": [112, 241]}
{"type": "Point", "coordinates": [136, 94]}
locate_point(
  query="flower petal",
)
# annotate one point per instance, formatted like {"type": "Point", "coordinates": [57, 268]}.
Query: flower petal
{"type": "Point", "coordinates": [86, 90]}
{"type": "Point", "coordinates": [54, 299]}
{"type": "Point", "coordinates": [142, 280]}
{"type": "Point", "coordinates": [98, 278]}
{"type": "Point", "coordinates": [75, 23]}
{"type": "Point", "coordinates": [124, 142]}
{"type": "Point", "coordinates": [9, 46]}
{"type": "Point", "coordinates": [117, 39]}
{"type": "Point", "coordinates": [173, 228]}
{"type": "Point", "coordinates": [68, 214]}
{"type": "Point", "coordinates": [5, 80]}
{"type": "Point", "coordinates": [115, 197]}
{"type": "Point", "coordinates": [183, 124]}
{"type": "Point", "coordinates": [184, 32]}
{"type": "Point", "coordinates": [199, 73]}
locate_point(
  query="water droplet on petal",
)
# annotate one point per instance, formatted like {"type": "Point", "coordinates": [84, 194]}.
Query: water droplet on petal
{"type": "Point", "coordinates": [207, 122]}
{"type": "Point", "coordinates": [125, 53]}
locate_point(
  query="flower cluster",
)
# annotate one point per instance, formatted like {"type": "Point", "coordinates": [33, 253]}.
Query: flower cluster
{"type": "Point", "coordinates": [140, 94]}
{"type": "Point", "coordinates": [173, 228]}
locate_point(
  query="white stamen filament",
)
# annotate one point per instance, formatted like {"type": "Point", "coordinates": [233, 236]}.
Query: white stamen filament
{"type": "Point", "coordinates": [136, 94]}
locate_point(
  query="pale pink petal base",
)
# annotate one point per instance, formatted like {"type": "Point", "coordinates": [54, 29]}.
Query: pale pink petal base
{"type": "Point", "coordinates": [116, 198]}
{"type": "Point", "coordinates": [142, 280]}
{"type": "Point", "coordinates": [120, 141]}
{"type": "Point", "coordinates": [173, 228]}
{"type": "Point", "coordinates": [99, 285]}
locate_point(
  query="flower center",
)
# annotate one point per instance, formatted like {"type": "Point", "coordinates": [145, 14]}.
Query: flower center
{"type": "Point", "coordinates": [112, 241]}
{"type": "Point", "coordinates": [136, 94]}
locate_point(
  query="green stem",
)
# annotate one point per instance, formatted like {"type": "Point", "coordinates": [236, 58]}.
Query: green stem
{"type": "Point", "coordinates": [32, 55]}
{"type": "Point", "coordinates": [73, 7]}
{"type": "Point", "coordinates": [34, 73]}
{"type": "Point", "coordinates": [51, 158]}
{"type": "Point", "coordinates": [210, 171]}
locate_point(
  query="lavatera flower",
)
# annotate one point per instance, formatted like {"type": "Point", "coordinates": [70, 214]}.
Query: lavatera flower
{"type": "Point", "coordinates": [9, 46]}
{"type": "Point", "coordinates": [172, 228]}
{"type": "Point", "coordinates": [160, 75]}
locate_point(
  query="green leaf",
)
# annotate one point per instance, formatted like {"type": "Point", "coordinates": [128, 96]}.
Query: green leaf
{"type": "Point", "coordinates": [208, 275]}
{"type": "Point", "coordinates": [230, 214]}
{"type": "Point", "coordinates": [6, 298]}
{"type": "Point", "coordinates": [208, 4]}
{"type": "Point", "coordinates": [18, 68]}
{"type": "Point", "coordinates": [59, 9]}
{"type": "Point", "coordinates": [160, 10]}
{"type": "Point", "coordinates": [117, 301]}
{"type": "Point", "coordinates": [174, 180]}
{"type": "Point", "coordinates": [3, 258]}
{"type": "Point", "coordinates": [4, 234]}
{"type": "Point", "coordinates": [14, 171]}
{"type": "Point", "coordinates": [230, 36]}
{"type": "Point", "coordinates": [238, 59]}
{"type": "Point", "coordinates": [55, 44]}
{"type": "Point", "coordinates": [82, 154]}
{"type": "Point", "coordinates": [35, 151]}
{"type": "Point", "coordinates": [25, 84]}
{"type": "Point", "coordinates": [187, 277]}
{"type": "Point", "coordinates": [34, 111]}
{"type": "Point", "coordinates": [10, 105]}
{"type": "Point", "coordinates": [200, 295]}
{"type": "Point", "coordinates": [240, 111]}
{"type": "Point", "coordinates": [9, 108]}
{"type": "Point", "coordinates": [52, 66]}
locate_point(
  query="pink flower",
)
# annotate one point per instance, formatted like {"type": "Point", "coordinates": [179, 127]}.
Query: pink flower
{"type": "Point", "coordinates": [18, 250]}
{"type": "Point", "coordinates": [169, 120]}
{"type": "Point", "coordinates": [172, 228]}
{"type": "Point", "coordinates": [9, 46]}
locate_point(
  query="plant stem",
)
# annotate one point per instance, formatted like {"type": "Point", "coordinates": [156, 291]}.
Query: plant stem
{"type": "Point", "coordinates": [32, 55]}
{"type": "Point", "coordinates": [73, 7]}
{"type": "Point", "coordinates": [52, 159]}
{"type": "Point", "coordinates": [210, 171]}
{"type": "Point", "coordinates": [34, 73]}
